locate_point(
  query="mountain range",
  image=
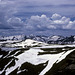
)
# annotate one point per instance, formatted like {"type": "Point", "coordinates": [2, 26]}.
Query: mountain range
{"type": "Point", "coordinates": [55, 39]}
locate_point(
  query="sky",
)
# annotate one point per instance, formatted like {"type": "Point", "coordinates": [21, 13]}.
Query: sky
{"type": "Point", "coordinates": [37, 16]}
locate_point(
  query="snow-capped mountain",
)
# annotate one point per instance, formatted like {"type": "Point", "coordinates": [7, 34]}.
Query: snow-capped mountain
{"type": "Point", "coordinates": [29, 43]}
{"type": "Point", "coordinates": [41, 38]}
{"type": "Point", "coordinates": [55, 39]}
{"type": "Point", "coordinates": [12, 38]}
{"type": "Point", "coordinates": [19, 40]}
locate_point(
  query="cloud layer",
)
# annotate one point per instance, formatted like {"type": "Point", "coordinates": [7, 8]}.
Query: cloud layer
{"type": "Point", "coordinates": [18, 14]}
{"type": "Point", "coordinates": [43, 22]}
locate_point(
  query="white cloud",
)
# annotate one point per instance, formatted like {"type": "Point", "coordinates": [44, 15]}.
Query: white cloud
{"type": "Point", "coordinates": [42, 22]}
{"type": "Point", "coordinates": [56, 17]}
{"type": "Point", "coordinates": [60, 21]}
{"type": "Point", "coordinates": [15, 22]}
{"type": "Point", "coordinates": [71, 25]}
{"type": "Point", "coordinates": [55, 22]}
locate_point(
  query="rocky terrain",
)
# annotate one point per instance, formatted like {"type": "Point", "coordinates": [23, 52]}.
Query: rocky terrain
{"type": "Point", "coordinates": [27, 56]}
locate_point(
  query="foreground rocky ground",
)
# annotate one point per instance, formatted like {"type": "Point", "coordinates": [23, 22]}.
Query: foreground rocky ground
{"type": "Point", "coordinates": [65, 67]}
{"type": "Point", "coordinates": [38, 61]}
